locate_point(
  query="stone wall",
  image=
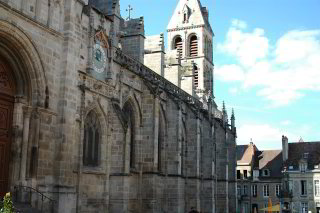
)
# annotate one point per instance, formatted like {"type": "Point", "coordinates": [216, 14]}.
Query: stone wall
{"type": "Point", "coordinates": [180, 147]}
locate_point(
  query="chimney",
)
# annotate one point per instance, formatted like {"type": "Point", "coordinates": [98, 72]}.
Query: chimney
{"type": "Point", "coordinates": [285, 148]}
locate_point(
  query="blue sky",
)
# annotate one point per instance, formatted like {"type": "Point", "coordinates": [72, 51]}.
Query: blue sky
{"type": "Point", "coordinates": [267, 63]}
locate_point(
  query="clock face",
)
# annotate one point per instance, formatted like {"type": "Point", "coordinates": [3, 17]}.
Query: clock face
{"type": "Point", "coordinates": [99, 58]}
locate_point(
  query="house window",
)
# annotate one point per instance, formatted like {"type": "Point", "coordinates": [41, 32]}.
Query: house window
{"type": "Point", "coordinates": [266, 190]}
{"type": "Point", "coordinates": [304, 207]}
{"type": "Point", "coordinates": [255, 174]}
{"type": "Point", "coordinates": [254, 190]}
{"type": "Point", "coordinates": [245, 190]}
{"type": "Point", "coordinates": [305, 155]}
{"type": "Point", "coordinates": [239, 190]}
{"type": "Point", "coordinates": [238, 174]}
{"type": "Point", "coordinates": [303, 184]}
{"type": "Point", "coordinates": [303, 167]}
{"type": "Point", "coordinates": [193, 48]}
{"type": "Point", "coordinates": [317, 188]}
{"type": "Point", "coordinates": [91, 140]}
{"type": "Point", "coordinates": [278, 187]}
{"type": "Point", "coordinates": [245, 174]}
{"type": "Point", "coordinates": [266, 172]}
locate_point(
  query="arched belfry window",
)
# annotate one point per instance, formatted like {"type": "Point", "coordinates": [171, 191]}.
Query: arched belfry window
{"type": "Point", "coordinates": [193, 46]}
{"type": "Point", "coordinates": [130, 134]}
{"type": "Point", "coordinates": [91, 140]}
{"type": "Point", "coordinates": [177, 44]}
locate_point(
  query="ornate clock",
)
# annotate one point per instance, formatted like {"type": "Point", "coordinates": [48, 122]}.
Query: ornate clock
{"type": "Point", "coordinates": [99, 58]}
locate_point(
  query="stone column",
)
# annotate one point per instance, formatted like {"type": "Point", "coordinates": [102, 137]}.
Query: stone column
{"type": "Point", "coordinates": [156, 133]}
{"type": "Point", "coordinates": [25, 137]}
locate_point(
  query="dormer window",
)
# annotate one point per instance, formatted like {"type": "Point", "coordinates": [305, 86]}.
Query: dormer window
{"type": "Point", "coordinates": [266, 172]}
{"type": "Point", "coordinates": [303, 166]}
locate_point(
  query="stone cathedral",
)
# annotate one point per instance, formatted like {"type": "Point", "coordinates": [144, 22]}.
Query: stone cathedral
{"type": "Point", "coordinates": [95, 116]}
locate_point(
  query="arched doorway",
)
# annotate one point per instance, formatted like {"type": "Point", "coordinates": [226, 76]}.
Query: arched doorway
{"type": "Point", "coordinates": [7, 91]}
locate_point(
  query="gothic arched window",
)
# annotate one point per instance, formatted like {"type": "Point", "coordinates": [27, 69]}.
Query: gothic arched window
{"type": "Point", "coordinates": [91, 140]}
{"type": "Point", "coordinates": [130, 134]}
{"type": "Point", "coordinates": [193, 46]}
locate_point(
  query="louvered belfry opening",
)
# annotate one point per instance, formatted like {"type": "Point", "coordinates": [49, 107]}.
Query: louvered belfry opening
{"type": "Point", "coordinates": [178, 46]}
{"type": "Point", "coordinates": [193, 46]}
{"type": "Point", "coordinates": [196, 76]}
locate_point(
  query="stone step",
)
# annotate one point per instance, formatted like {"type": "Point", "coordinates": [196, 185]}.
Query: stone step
{"type": "Point", "coordinates": [25, 208]}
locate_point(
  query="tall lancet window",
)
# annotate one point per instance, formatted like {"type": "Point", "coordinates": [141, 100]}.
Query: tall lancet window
{"type": "Point", "coordinates": [130, 134]}
{"type": "Point", "coordinates": [193, 46]}
{"type": "Point", "coordinates": [91, 140]}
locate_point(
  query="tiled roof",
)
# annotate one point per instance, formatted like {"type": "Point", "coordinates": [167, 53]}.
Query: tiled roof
{"type": "Point", "coordinates": [245, 153]}
{"type": "Point", "coordinates": [296, 153]}
{"type": "Point", "coordinates": [269, 159]}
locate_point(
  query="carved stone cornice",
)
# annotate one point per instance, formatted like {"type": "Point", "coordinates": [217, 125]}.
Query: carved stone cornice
{"type": "Point", "coordinates": [186, 28]}
{"type": "Point", "coordinates": [96, 86]}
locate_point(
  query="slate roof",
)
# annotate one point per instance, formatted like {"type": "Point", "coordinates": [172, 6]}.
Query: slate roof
{"type": "Point", "coordinates": [245, 153]}
{"type": "Point", "coordinates": [297, 150]}
{"type": "Point", "coordinates": [271, 160]}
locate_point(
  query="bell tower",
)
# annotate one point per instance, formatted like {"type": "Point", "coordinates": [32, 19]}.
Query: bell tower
{"type": "Point", "coordinates": [190, 35]}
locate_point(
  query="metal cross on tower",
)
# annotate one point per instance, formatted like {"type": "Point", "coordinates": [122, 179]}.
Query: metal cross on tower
{"type": "Point", "coordinates": [129, 10]}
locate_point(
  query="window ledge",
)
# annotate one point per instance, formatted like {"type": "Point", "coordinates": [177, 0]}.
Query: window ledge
{"type": "Point", "coordinates": [93, 170]}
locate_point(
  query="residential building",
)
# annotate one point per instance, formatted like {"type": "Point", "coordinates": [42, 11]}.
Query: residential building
{"type": "Point", "coordinates": [301, 176]}
{"type": "Point", "coordinates": [259, 177]}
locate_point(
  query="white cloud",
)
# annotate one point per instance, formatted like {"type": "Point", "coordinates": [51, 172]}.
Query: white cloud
{"type": "Point", "coordinates": [263, 135]}
{"type": "Point", "coordinates": [281, 74]}
{"type": "Point", "coordinates": [297, 45]}
{"type": "Point", "coordinates": [230, 72]}
{"type": "Point", "coordinates": [246, 47]}
{"type": "Point", "coordinates": [239, 24]}
{"type": "Point", "coordinates": [285, 122]}
{"type": "Point", "coordinates": [233, 91]}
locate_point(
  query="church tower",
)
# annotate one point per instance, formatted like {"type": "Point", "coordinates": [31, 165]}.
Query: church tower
{"type": "Point", "coordinates": [190, 35]}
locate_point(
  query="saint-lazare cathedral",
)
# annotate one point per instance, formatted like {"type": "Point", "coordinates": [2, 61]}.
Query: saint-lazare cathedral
{"type": "Point", "coordinates": [97, 117]}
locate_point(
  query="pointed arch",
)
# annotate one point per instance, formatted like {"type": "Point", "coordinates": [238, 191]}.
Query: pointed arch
{"type": "Point", "coordinates": [161, 139]}
{"type": "Point", "coordinates": [177, 45]}
{"type": "Point", "coordinates": [129, 115]}
{"type": "Point", "coordinates": [133, 101]}
{"type": "Point", "coordinates": [193, 45]}
{"type": "Point", "coordinates": [95, 144]}
{"type": "Point", "coordinates": [22, 55]}
{"type": "Point", "coordinates": [92, 140]}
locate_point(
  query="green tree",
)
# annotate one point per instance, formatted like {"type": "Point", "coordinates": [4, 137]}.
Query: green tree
{"type": "Point", "coordinates": [7, 204]}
